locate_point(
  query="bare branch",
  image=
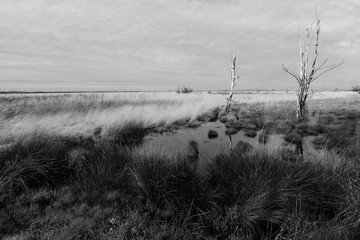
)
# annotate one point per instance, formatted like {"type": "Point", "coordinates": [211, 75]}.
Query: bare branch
{"type": "Point", "coordinates": [333, 65]}
{"type": "Point", "coordinates": [291, 73]}
{"type": "Point", "coordinates": [321, 66]}
{"type": "Point", "coordinates": [329, 68]}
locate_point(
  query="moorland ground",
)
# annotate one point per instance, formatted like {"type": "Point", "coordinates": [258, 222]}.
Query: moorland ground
{"type": "Point", "coordinates": [70, 168]}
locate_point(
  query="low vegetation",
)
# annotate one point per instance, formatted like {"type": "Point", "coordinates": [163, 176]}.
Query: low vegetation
{"type": "Point", "coordinates": [356, 89]}
{"type": "Point", "coordinates": [184, 90]}
{"type": "Point", "coordinates": [98, 186]}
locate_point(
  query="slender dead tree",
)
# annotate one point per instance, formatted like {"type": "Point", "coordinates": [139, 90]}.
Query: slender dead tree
{"type": "Point", "coordinates": [232, 86]}
{"type": "Point", "coordinates": [309, 72]}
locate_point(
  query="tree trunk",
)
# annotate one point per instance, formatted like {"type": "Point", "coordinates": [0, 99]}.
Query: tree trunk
{"type": "Point", "coordinates": [233, 79]}
{"type": "Point", "coordinates": [301, 109]}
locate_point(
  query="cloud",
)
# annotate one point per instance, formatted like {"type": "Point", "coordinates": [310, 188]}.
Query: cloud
{"type": "Point", "coordinates": [167, 43]}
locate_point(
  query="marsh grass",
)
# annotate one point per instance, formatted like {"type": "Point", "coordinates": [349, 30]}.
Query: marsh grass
{"type": "Point", "coordinates": [99, 186]}
{"type": "Point", "coordinates": [249, 196]}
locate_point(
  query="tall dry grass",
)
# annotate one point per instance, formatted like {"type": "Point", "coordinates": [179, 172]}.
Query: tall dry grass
{"type": "Point", "coordinates": [80, 114]}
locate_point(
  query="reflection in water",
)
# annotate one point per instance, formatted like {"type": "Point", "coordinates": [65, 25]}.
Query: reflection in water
{"type": "Point", "coordinates": [230, 142]}
{"type": "Point", "coordinates": [208, 148]}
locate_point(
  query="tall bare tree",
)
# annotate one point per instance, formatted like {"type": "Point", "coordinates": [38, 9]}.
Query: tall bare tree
{"type": "Point", "coordinates": [309, 72]}
{"type": "Point", "coordinates": [232, 86]}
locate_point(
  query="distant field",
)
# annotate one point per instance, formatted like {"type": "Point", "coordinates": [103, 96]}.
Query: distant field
{"type": "Point", "coordinates": [74, 114]}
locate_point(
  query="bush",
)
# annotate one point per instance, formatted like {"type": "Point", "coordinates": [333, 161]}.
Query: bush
{"type": "Point", "coordinates": [184, 90]}
{"type": "Point", "coordinates": [355, 89]}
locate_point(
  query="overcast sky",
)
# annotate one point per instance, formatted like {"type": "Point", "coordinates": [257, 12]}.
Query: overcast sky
{"type": "Point", "coordinates": [56, 45]}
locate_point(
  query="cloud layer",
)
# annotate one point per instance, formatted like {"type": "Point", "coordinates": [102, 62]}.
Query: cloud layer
{"type": "Point", "coordinates": [158, 44]}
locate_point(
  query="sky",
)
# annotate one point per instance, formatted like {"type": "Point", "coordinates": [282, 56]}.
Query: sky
{"type": "Point", "coordinates": [122, 45]}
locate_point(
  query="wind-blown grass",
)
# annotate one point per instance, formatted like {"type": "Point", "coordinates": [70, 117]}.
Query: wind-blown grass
{"type": "Point", "coordinates": [98, 186]}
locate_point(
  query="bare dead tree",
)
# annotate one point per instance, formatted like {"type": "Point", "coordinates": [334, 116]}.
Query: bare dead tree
{"type": "Point", "coordinates": [308, 72]}
{"type": "Point", "coordinates": [232, 86]}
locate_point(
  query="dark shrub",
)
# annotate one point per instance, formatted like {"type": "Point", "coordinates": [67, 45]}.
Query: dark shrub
{"type": "Point", "coordinates": [355, 89]}
{"type": "Point", "coordinates": [250, 133]}
{"type": "Point", "coordinates": [184, 90]}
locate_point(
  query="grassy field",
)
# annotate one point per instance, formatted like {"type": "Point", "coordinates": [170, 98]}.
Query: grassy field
{"type": "Point", "coordinates": [70, 168]}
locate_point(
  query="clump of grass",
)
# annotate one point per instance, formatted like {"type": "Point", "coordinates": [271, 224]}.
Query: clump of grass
{"type": "Point", "coordinates": [258, 195]}
{"type": "Point", "coordinates": [163, 181]}
{"type": "Point", "coordinates": [225, 117]}
{"type": "Point", "coordinates": [212, 134]}
{"type": "Point", "coordinates": [35, 160]}
{"type": "Point", "coordinates": [103, 168]}
{"type": "Point", "coordinates": [210, 116]}
{"type": "Point", "coordinates": [129, 134]}
{"type": "Point", "coordinates": [242, 147]}
{"type": "Point", "coordinates": [231, 131]}
{"type": "Point", "coordinates": [250, 133]}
